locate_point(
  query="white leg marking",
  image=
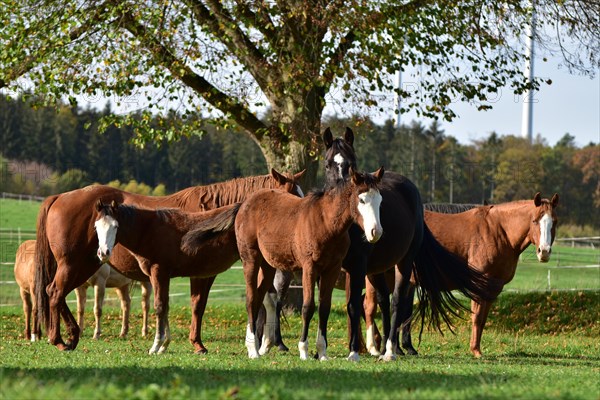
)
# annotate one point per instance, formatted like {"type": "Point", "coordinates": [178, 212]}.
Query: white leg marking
{"type": "Point", "coordinates": [251, 343]}
{"type": "Point", "coordinates": [166, 341]}
{"type": "Point", "coordinates": [33, 337]}
{"type": "Point", "coordinates": [303, 349]}
{"type": "Point", "coordinates": [390, 352]}
{"type": "Point", "coordinates": [270, 323]}
{"type": "Point", "coordinates": [371, 348]}
{"type": "Point", "coordinates": [321, 346]}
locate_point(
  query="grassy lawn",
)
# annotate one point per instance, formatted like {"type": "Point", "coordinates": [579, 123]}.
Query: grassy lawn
{"type": "Point", "coordinates": [538, 346]}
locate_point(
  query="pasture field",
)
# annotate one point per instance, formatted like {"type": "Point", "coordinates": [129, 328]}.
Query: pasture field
{"type": "Point", "coordinates": [538, 343]}
{"type": "Point", "coordinates": [536, 346]}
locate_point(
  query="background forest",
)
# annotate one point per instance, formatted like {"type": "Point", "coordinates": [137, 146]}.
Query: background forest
{"type": "Point", "coordinates": [46, 151]}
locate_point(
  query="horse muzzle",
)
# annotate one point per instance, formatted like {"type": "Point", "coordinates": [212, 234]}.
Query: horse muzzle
{"type": "Point", "coordinates": [103, 255]}
{"type": "Point", "coordinates": [543, 253]}
{"type": "Point", "coordinates": [374, 235]}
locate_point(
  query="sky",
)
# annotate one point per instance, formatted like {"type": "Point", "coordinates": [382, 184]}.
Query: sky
{"type": "Point", "coordinates": [571, 104]}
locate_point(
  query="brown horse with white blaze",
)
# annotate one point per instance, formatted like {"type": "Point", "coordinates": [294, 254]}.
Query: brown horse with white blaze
{"type": "Point", "coordinates": [277, 230]}
{"type": "Point", "coordinates": [156, 237]}
{"type": "Point", "coordinates": [491, 238]}
{"type": "Point", "coordinates": [67, 244]}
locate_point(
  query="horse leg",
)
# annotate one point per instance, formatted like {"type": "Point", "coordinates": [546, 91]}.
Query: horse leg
{"type": "Point", "coordinates": [265, 323]}
{"type": "Point", "coordinates": [405, 322]}
{"type": "Point", "coordinates": [282, 282]}
{"type": "Point", "coordinates": [123, 293]}
{"type": "Point", "coordinates": [199, 288]}
{"type": "Point", "coordinates": [160, 283]}
{"type": "Point", "coordinates": [267, 273]}
{"type": "Point", "coordinates": [326, 285]}
{"type": "Point", "coordinates": [99, 291]}
{"type": "Point", "coordinates": [383, 300]}
{"type": "Point", "coordinates": [370, 307]}
{"type": "Point", "coordinates": [401, 288]}
{"type": "Point", "coordinates": [71, 325]}
{"type": "Point", "coordinates": [146, 292]}
{"type": "Point", "coordinates": [479, 314]}
{"type": "Point", "coordinates": [58, 307]}
{"type": "Point", "coordinates": [354, 307]}
{"type": "Point", "coordinates": [26, 297]}
{"type": "Point", "coordinates": [252, 262]}
{"type": "Point", "coordinates": [81, 295]}
{"type": "Point", "coordinates": [308, 307]}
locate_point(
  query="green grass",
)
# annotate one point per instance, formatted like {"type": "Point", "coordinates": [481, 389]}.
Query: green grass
{"type": "Point", "coordinates": [551, 351]}
{"type": "Point", "coordinates": [16, 214]}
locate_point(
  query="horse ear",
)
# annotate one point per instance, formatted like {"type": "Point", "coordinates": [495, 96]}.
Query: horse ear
{"type": "Point", "coordinates": [327, 138]}
{"type": "Point", "coordinates": [537, 199]}
{"type": "Point", "coordinates": [554, 200]}
{"type": "Point", "coordinates": [349, 137]}
{"type": "Point", "coordinates": [98, 205]}
{"type": "Point", "coordinates": [278, 177]}
{"type": "Point", "coordinates": [113, 206]}
{"type": "Point", "coordinates": [299, 175]}
{"type": "Point", "coordinates": [356, 177]}
{"type": "Point", "coordinates": [379, 173]}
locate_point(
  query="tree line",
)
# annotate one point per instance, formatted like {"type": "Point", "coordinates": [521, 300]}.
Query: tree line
{"type": "Point", "coordinates": [49, 150]}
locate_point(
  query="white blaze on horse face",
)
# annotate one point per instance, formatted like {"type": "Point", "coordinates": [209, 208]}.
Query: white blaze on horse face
{"type": "Point", "coordinates": [368, 207]}
{"type": "Point", "coordinates": [339, 160]}
{"type": "Point", "coordinates": [106, 230]}
{"type": "Point", "coordinates": [545, 246]}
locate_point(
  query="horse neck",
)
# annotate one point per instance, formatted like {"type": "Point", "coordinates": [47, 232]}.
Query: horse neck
{"type": "Point", "coordinates": [337, 202]}
{"type": "Point", "coordinates": [514, 218]}
{"type": "Point", "coordinates": [216, 195]}
{"type": "Point", "coordinates": [136, 224]}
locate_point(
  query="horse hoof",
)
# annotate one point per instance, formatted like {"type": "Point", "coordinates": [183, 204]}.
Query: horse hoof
{"type": "Point", "coordinates": [411, 352]}
{"type": "Point", "coordinates": [374, 352]}
{"type": "Point", "coordinates": [283, 347]}
{"type": "Point", "coordinates": [354, 357]}
{"type": "Point", "coordinates": [387, 357]}
{"type": "Point", "coordinates": [201, 351]}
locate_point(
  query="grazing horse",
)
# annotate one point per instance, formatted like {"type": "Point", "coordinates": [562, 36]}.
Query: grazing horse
{"type": "Point", "coordinates": [407, 244]}
{"type": "Point", "coordinates": [108, 277]}
{"type": "Point", "coordinates": [67, 244]}
{"type": "Point", "coordinates": [155, 236]}
{"type": "Point", "coordinates": [275, 230]}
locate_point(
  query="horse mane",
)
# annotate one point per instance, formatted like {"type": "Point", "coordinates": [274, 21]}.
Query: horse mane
{"type": "Point", "coordinates": [449, 208]}
{"type": "Point", "coordinates": [207, 229]}
{"type": "Point", "coordinates": [222, 193]}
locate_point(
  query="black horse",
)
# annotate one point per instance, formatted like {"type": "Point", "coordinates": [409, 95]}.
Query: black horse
{"type": "Point", "coordinates": [407, 245]}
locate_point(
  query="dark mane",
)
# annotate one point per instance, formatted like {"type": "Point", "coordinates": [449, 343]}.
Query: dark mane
{"type": "Point", "coordinates": [209, 228]}
{"type": "Point", "coordinates": [449, 208]}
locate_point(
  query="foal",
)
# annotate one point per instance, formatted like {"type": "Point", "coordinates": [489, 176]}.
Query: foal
{"type": "Point", "coordinates": [277, 230]}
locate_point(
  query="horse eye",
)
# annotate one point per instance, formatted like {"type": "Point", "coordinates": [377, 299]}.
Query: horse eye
{"type": "Point", "coordinates": [361, 201]}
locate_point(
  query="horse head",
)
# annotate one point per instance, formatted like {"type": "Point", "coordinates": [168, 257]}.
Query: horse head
{"type": "Point", "coordinates": [339, 156]}
{"type": "Point", "coordinates": [106, 228]}
{"type": "Point", "coordinates": [543, 226]}
{"type": "Point", "coordinates": [289, 182]}
{"type": "Point", "coordinates": [369, 200]}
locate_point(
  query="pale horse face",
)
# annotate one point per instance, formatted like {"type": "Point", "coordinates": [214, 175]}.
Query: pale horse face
{"type": "Point", "coordinates": [368, 207]}
{"type": "Point", "coordinates": [544, 248]}
{"type": "Point", "coordinates": [106, 230]}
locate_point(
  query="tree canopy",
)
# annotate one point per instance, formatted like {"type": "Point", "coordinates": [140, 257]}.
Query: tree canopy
{"type": "Point", "coordinates": [228, 59]}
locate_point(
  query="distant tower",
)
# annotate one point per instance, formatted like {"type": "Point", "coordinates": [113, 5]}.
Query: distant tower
{"type": "Point", "coordinates": [527, 118]}
{"type": "Point", "coordinates": [397, 100]}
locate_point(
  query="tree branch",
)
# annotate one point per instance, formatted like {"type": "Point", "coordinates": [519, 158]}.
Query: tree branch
{"type": "Point", "coordinates": [185, 74]}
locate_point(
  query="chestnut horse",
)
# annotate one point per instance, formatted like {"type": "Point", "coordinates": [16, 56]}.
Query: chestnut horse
{"type": "Point", "coordinates": [104, 277]}
{"type": "Point", "coordinates": [276, 230]}
{"type": "Point", "coordinates": [67, 245]}
{"type": "Point", "coordinates": [407, 244]}
{"type": "Point", "coordinates": [155, 237]}
{"type": "Point", "coordinates": [108, 277]}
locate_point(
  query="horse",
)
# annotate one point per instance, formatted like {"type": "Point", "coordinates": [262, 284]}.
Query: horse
{"type": "Point", "coordinates": [409, 245]}
{"type": "Point", "coordinates": [104, 277]}
{"type": "Point", "coordinates": [275, 230]}
{"type": "Point", "coordinates": [139, 230]}
{"type": "Point", "coordinates": [67, 245]}
{"type": "Point", "coordinates": [24, 269]}
{"type": "Point", "coordinates": [108, 277]}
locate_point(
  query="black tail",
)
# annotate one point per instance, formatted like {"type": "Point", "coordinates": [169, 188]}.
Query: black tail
{"type": "Point", "coordinates": [45, 263]}
{"type": "Point", "coordinates": [437, 272]}
{"type": "Point", "coordinates": [209, 228]}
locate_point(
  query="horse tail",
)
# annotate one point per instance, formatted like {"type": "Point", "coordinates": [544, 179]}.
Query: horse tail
{"type": "Point", "coordinates": [437, 272]}
{"type": "Point", "coordinates": [45, 263]}
{"type": "Point", "coordinates": [209, 228]}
